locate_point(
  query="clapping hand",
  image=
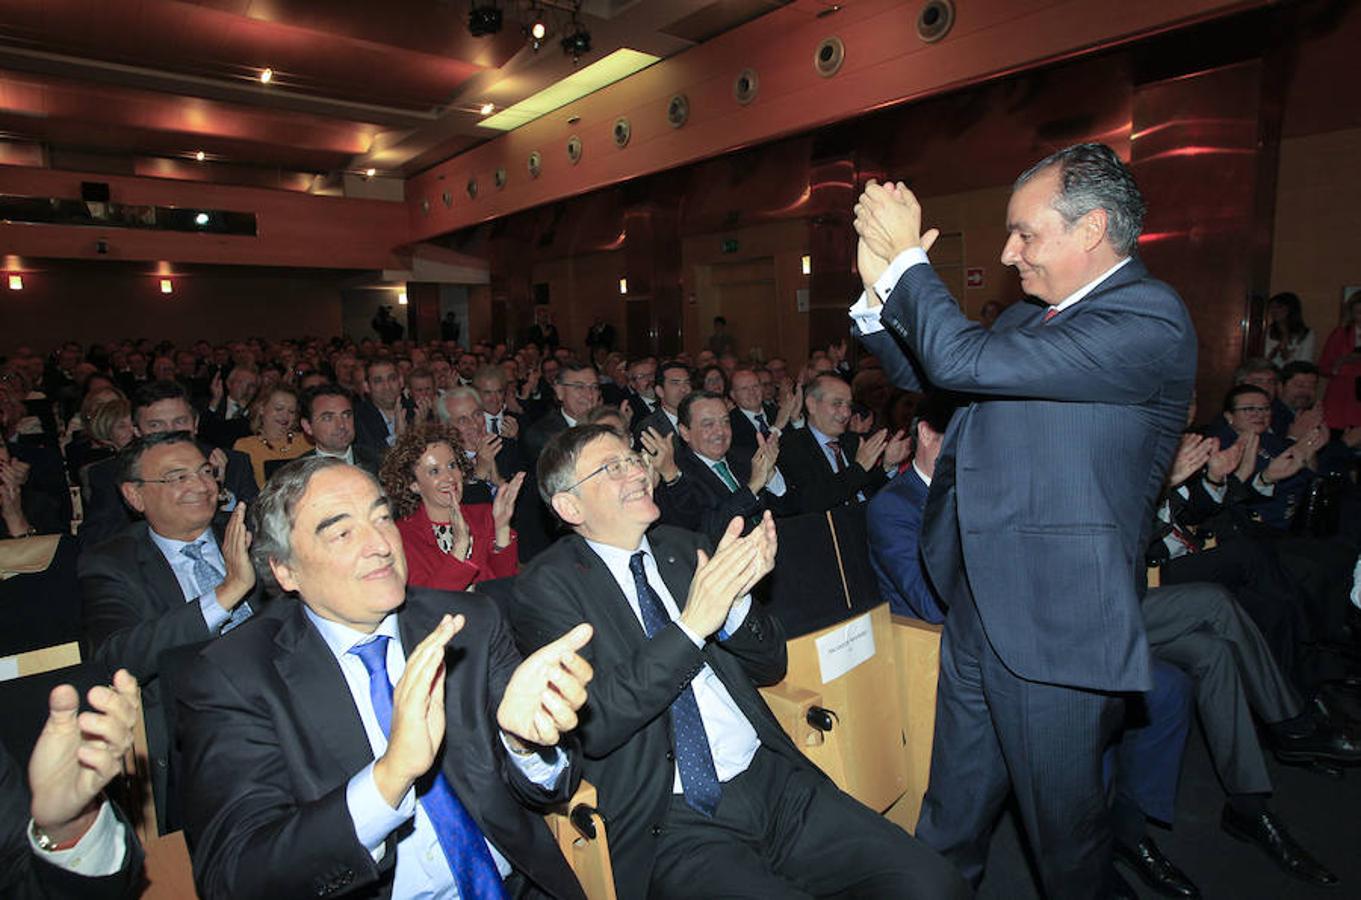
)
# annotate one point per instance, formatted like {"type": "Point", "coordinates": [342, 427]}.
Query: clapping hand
{"type": "Point", "coordinates": [871, 448]}
{"type": "Point", "coordinates": [1193, 453]}
{"type": "Point", "coordinates": [763, 462]}
{"type": "Point", "coordinates": [1222, 463]}
{"type": "Point", "coordinates": [417, 715]}
{"type": "Point", "coordinates": [663, 452]}
{"type": "Point", "coordinates": [503, 508]}
{"type": "Point", "coordinates": [736, 566]}
{"type": "Point", "coordinates": [897, 448]}
{"type": "Point", "coordinates": [545, 692]}
{"type": "Point", "coordinates": [77, 754]}
{"type": "Point", "coordinates": [888, 219]}
{"type": "Point", "coordinates": [240, 578]}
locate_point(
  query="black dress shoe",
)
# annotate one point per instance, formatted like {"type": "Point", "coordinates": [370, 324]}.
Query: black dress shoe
{"type": "Point", "coordinates": [1325, 742]}
{"type": "Point", "coordinates": [1266, 831]}
{"type": "Point", "coordinates": [1156, 870]}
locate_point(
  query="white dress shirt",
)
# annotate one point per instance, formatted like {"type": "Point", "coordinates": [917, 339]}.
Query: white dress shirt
{"type": "Point", "coordinates": [422, 868]}
{"type": "Point", "coordinates": [732, 740]}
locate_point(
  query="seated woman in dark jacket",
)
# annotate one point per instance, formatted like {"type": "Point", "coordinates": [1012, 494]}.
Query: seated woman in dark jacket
{"type": "Point", "coordinates": [448, 546]}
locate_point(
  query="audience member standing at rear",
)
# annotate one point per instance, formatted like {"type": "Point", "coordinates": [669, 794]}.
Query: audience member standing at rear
{"type": "Point", "coordinates": [1040, 500]}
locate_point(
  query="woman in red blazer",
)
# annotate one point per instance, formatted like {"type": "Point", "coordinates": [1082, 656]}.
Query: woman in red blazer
{"type": "Point", "coordinates": [448, 546]}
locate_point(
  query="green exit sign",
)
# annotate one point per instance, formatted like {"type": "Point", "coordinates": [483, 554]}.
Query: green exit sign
{"type": "Point", "coordinates": [730, 245]}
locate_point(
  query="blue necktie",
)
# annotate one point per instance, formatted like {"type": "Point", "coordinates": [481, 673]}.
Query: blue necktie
{"type": "Point", "coordinates": [699, 778]}
{"type": "Point", "coordinates": [207, 577]}
{"type": "Point", "coordinates": [761, 425]}
{"type": "Point", "coordinates": [462, 841]}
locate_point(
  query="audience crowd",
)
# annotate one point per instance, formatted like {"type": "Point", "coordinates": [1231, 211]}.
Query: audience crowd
{"type": "Point", "coordinates": [203, 479]}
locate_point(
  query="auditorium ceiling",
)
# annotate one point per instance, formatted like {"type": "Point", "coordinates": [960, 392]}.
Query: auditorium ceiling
{"type": "Point", "coordinates": [173, 88]}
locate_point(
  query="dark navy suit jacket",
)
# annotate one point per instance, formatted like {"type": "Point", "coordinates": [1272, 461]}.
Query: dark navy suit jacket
{"type": "Point", "coordinates": [894, 520]}
{"type": "Point", "coordinates": [1045, 486]}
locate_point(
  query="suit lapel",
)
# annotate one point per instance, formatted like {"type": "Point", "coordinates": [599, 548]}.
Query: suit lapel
{"type": "Point", "coordinates": [156, 572]}
{"type": "Point", "coordinates": [319, 694]}
{"type": "Point", "coordinates": [601, 584]}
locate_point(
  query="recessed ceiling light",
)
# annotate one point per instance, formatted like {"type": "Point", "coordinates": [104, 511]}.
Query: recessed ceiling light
{"type": "Point", "coordinates": [401, 298]}
{"type": "Point", "coordinates": [201, 219]}
{"type": "Point", "coordinates": [370, 172]}
{"type": "Point", "coordinates": [618, 65]}
{"type": "Point", "coordinates": [538, 30]}
{"type": "Point", "coordinates": [200, 156]}
{"type": "Point", "coordinates": [266, 76]}
{"type": "Point", "coordinates": [167, 286]}
{"type": "Point", "coordinates": [16, 282]}
{"type": "Point", "coordinates": [488, 108]}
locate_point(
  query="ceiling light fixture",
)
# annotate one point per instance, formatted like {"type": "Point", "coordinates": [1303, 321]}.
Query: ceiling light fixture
{"type": "Point", "coordinates": [578, 43]}
{"type": "Point", "coordinates": [370, 172]}
{"type": "Point", "coordinates": [266, 75]}
{"type": "Point", "coordinates": [200, 156]}
{"type": "Point", "coordinates": [538, 30]}
{"type": "Point", "coordinates": [201, 219]}
{"type": "Point", "coordinates": [16, 282]}
{"type": "Point", "coordinates": [807, 263]}
{"type": "Point", "coordinates": [623, 285]}
{"type": "Point", "coordinates": [618, 65]}
{"type": "Point", "coordinates": [488, 108]}
{"type": "Point", "coordinates": [401, 298]}
{"type": "Point", "coordinates": [167, 286]}
{"type": "Point", "coordinates": [484, 20]}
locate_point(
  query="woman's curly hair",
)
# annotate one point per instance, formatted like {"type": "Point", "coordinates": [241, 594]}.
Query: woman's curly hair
{"type": "Point", "coordinates": [399, 463]}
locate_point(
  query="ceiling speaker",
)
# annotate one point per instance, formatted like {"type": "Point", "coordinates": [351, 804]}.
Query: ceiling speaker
{"type": "Point", "coordinates": [574, 149]}
{"type": "Point", "coordinates": [935, 20]}
{"type": "Point", "coordinates": [622, 132]}
{"type": "Point", "coordinates": [829, 56]}
{"type": "Point", "coordinates": [535, 164]}
{"type": "Point", "coordinates": [745, 87]}
{"type": "Point", "coordinates": [678, 110]}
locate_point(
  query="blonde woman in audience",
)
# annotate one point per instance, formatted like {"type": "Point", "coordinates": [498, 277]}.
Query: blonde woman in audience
{"type": "Point", "coordinates": [274, 419]}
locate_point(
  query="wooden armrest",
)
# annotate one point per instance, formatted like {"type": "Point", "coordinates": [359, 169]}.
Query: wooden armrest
{"type": "Point", "coordinates": [790, 706]}
{"type": "Point", "coordinates": [581, 836]}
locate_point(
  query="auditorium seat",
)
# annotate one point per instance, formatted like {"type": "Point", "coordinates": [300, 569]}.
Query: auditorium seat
{"type": "Point", "coordinates": [39, 606]}
{"type": "Point", "coordinates": [580, 833]}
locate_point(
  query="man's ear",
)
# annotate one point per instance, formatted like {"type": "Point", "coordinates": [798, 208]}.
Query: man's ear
{"type": "Point", "coordinates": [568, 508]}
{"type": "Point", "coordinates": [132, 493]}
{"type": "Point", "coordinates": [306, 426]}
{"type": "Point", "coordinates": [1094, 226]}
{"type": "Point", "coordinates": [684, 431]}
{"type": "Point", "coordinates": [283, 574]}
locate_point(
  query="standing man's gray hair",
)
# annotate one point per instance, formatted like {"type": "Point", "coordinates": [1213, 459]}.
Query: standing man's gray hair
{"type": "Point", "coordinates": [1092, 177]}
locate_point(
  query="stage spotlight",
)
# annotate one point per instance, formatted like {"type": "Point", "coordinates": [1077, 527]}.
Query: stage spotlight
{"type": "Point", "coordinates": [484, 20]}
{"type": "Point", "coordinates": [578, 43]}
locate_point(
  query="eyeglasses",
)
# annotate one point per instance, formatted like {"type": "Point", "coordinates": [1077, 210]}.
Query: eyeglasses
{"type": "Point", "coordinates": [581, 386]}
{"type": "Point", "coordinates": [177, 477]}
{"type": "Point", "coordinates": [617, 469]}
{"type": "Point", "coordinates": [1253, 409]}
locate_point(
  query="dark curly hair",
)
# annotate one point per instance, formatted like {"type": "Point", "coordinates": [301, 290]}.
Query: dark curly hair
{"type": "Point", "coordinates": [399, 463]}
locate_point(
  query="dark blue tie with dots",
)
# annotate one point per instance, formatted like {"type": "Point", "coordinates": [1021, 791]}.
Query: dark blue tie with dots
{"type": "Point", "coordinates": [699, 778]}
{"type": "Point", "coordinates": [459, 837]}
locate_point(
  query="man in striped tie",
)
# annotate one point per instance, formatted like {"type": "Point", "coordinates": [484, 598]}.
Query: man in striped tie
{"type": "Point", "coordinates": [368, 740]}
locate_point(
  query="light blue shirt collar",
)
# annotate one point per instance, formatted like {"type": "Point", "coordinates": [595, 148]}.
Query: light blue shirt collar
{"type": "Point", "coordinates": [341, 639]}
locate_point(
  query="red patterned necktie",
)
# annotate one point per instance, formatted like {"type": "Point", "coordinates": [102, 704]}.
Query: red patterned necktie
{"type": "Point", "coordinates": [1050, 313]}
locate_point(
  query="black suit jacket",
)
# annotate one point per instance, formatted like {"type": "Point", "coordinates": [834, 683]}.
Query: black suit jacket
{"type": "Point", "coordinates": [133, 610]}
{"type": "Point", "coordinates": [269, 705]}
{"type": "Point", "coordinates": [702, 502]}
{"type": "Point", "coordinates": [540, 433]}
{"type": "Point", "coordinates": [743, 432]}
{"type": "Point", "coordinates": [624, 731]}
{"type": "Point", "coordinates": [25, 875]}
{"type": "Point", "coordinates": [365, 457]}
{"type": "Point", "coordinates": [370, 428]}
{"type": "Point", "coordinates": [220, 431]}
{"type": "Point", "coordinates": [818, 487]}
{"type": "Point", "coordinates": [657, 420]}
{"type": "Point", "coordinates": [106, 514]}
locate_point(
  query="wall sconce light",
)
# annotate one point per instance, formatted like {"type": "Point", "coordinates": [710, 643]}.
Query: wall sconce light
{"type": "Point", "coordinates": [623, 285]}
{"type": "Point", "coordinates": [167, 286]}
{"type": "Point", "coordinates": [16, 282]}
{"type": "Point", "coordinates": [807, 264]}
{"type": "Point", "coordinates": [401, 298]}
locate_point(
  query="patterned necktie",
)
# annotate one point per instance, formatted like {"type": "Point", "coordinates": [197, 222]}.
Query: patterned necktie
{"type": "Point", "coordinates": [206, 575]}
{"type": "Point", "coordinates": [1050, 313]}
{"type": "Point", "coordinates": [761, 425]}
{"type": "Point", "coordinates": [462, 841]}
{"type": "Point", "coordinates": [835, 447]}
{"type": "Point", "coordinates": [699, 777]}
{"type": "Point", "coordinates": [495, 425]}
{"type": "Point", "coordinates": [721, 467]}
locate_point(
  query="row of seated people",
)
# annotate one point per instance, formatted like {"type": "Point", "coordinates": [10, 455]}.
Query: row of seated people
{"type": "Point", "coordinates": [697, 422]}
{"type": "Point", "coordinates": [1208, 624]}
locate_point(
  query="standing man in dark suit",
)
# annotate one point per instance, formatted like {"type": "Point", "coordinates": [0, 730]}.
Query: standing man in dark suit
{"type": "Point", "coordinates": [705, 794]}
{"type": "Point", "coordinates": [308, 774]}
{"type": "Point", "coordinates": [1042, 497]}
{"type": "Point", "coordinates": [827, 463]}
{"type": "Point", "coordinates": [226, 419]}
{"type": "Point", "coordinates": [166, 582]}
